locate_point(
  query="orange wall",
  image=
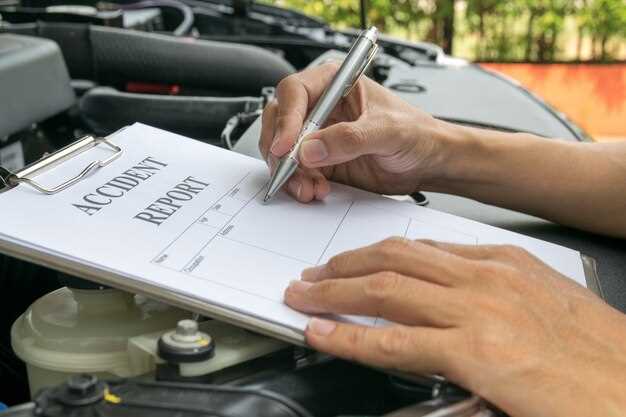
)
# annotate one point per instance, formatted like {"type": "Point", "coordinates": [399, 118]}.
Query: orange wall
{"type": "Point", "coordinates": [594, 96]}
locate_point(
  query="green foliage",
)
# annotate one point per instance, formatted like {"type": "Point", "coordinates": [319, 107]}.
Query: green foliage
{"type": "Point", "coordinates": [528, 30]}
{"type": "Point", "coordinates": [603, 20]}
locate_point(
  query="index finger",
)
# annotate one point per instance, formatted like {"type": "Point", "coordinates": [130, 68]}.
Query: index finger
{"type": "Point", "coordinates": [296, 94]}
{"type": "Point", "coordinates": [404, 256]}
{"type": "Point", "coordinates": [293, 104]}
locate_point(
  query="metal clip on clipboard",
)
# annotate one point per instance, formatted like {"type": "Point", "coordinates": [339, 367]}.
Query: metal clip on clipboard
{"type": "Point", "coordinates": [25, 175]}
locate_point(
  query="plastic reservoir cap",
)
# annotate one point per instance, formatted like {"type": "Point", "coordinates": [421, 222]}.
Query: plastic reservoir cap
{"type": "Point", "coordinates": [186, 344]}
{"type": "Point", "coordinates": [87, 330]}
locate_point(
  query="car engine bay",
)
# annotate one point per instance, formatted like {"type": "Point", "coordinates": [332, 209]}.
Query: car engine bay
{"type": "Point", "coordinates": [203, 69]}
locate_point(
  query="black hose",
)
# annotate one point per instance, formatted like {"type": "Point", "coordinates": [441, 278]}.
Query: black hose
{"type": "Point", "coordinates": [105, 110]}
{"type": "Point", "coordinates": [114, 56]}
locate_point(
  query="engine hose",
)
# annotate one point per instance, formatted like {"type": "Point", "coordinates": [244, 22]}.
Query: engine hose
{"type": "Point", "coordinates": [105, 110]}
{"type": "Point", "coordinates": [113, 56]}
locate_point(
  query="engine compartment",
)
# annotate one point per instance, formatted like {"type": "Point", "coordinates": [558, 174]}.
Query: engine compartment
{"type": "Point", "coordinates": [202, 69]}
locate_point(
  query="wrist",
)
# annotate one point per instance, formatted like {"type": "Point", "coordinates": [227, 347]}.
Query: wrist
{"type": "Point", "coordinates": [460, 157]}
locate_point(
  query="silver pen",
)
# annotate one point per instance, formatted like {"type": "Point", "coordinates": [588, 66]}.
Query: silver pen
{"type": "Point", "coordinates": [353, 66]}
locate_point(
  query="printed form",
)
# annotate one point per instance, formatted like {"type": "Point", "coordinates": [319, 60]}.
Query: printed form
{"type": "Point", "coordinates": [188, 217]}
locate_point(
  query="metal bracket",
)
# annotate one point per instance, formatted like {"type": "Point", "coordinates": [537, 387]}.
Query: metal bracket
{"type": "Point", "coordinates": [47, 162]}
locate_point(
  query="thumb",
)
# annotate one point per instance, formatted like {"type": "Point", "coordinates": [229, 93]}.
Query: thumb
{"type": "Point", "coordinates": [336, 144]}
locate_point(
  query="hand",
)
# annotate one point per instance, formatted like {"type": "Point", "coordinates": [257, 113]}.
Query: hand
{"type": "Point", "coordinates": [493, 319]}
{"type": "Point", "coordinates": [372, 140]}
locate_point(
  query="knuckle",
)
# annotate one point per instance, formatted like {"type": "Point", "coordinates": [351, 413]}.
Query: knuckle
{"type": "Point", "coordinates": [281, 120]}
{"type": "Point", "coordinates": [287, 81]}
{"type": "Point", "coordinates": [512, 251]}
{"type": "Point", "coordinates": [325, 289]}
{"type": "Point", "coordinates": [393, 245]}
{"type": "Point", "coordinates": [394, 342]}
{"type": "Point", "coordinates": [487, 343]}
{"type": "Point", "coordinates": [479, 344]}
{"type": "Point", "coordinates": [353, 136]}
{"type": "Point", "coordinates": [494, 273]}
{"type": "Point", "coordinates": [382, 285]}
{"type": "Point", "coordinates": [487, 271]}
{"type": "Point", "coordinates": [336, 265]}
{"type": "Point", "coordinates": [355, 338]}
{"type": "Point", "coordinates": [428, 242]}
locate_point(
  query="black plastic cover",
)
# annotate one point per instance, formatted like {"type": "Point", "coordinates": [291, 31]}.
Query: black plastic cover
{"type": "Point", "coordinates": [127, 398]}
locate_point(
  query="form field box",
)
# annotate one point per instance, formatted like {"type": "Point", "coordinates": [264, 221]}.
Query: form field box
{"type": "Point", "coordinates": [186, 246]}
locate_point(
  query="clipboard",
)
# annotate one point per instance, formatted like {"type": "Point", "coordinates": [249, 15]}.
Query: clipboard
{"type": "Point", "coordinates": [27, 176]}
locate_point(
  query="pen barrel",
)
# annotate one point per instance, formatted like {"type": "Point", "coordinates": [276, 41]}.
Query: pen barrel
{"type": "Point", "coordinates": [308, 128]}
{"type": "Point", "coordinates": [347, 74]}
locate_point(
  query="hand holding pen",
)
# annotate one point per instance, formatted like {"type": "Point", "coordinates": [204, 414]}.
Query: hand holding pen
{"type": "Point", "coordinates": [372, 139]}
{"type": "Point", "coordinates": [361, 54]}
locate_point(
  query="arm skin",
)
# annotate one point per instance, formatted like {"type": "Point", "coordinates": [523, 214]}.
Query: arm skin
{"type": "Point", "coordinates": [582, 185]}
{"type": "Point", "coordinates": [376, 141]}
{"type": "Point", "coordinates": [491, 318]}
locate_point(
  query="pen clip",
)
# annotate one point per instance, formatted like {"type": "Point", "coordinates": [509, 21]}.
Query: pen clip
{"type": "Point", "coordinates": [359, 74]}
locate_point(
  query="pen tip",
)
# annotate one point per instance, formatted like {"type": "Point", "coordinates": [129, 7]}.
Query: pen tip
{"type": "Point", "coordinates": [266, 198]}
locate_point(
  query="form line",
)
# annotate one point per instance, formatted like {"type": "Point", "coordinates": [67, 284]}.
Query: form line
{"type": "Point", "coordinates": [335, 232]}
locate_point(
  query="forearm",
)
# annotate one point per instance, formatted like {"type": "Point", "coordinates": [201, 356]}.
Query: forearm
{"type": "Point", "coordinates": [576, 184]}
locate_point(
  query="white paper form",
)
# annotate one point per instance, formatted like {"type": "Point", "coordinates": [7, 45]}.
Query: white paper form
{"type": "Point", "coordinates": [191, 220]}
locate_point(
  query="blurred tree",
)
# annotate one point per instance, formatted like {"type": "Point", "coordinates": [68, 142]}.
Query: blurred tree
{"type": "Point", "coordinates": [603, 20]}
{"type": "Point", "coordinates": [528, 30]}
{"type": "Point", "coordinates": [550, 18]}
{"type": "Point", "coordinates": [442, 24]}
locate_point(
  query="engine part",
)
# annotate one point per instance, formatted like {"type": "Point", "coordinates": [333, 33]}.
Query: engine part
{"type": "Point", "coordinates": [22, 148]}
{"type": "Point", "coordinates": [21, 282]}
{"type": "Point", "coordinates": [106, 110]}
{"type": "Point", "coordinates": [62, 13]}
{"type": "Point", "coordinates": [332, 387]}
{"type": "Point", "coordinates": [74, 331]}
{"type": "Point", "coordinates": [186, 344]}
{"type": "Point", "coordinates": [86, 396]}
{"type": "Point", "coordinates": [113, 56]}
{"type": "Point", "coordinates": [186, 24]}
{"type": "Point", "coordinates": [34, 82]}
{"type": "Point", "coordinates": [464, 407]}
{"type": "Point", "coordinates": [231, 352]}
{"type": "Point", "coordinates": [242, 120]}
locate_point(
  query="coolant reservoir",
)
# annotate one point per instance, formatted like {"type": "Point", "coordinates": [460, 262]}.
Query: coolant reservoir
{"type": "Point", "coordinates": [72, 331]}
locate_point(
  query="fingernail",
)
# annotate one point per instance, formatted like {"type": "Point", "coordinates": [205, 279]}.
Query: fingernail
{"type": "Point", "coordinates": [295, 187]}
{"type": "Point", "coordinates": [271, 159]}
{"type": "Point", "coordinates": [299, 286]}
{"type": "Point", "coordinates": [314, 150]}
{"type": "Point", "coordinates": [321, 327]}
{"type": "Point", "coordinates": [311, 274]}
{"type": "Point", "coordinates": [274, 145]}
